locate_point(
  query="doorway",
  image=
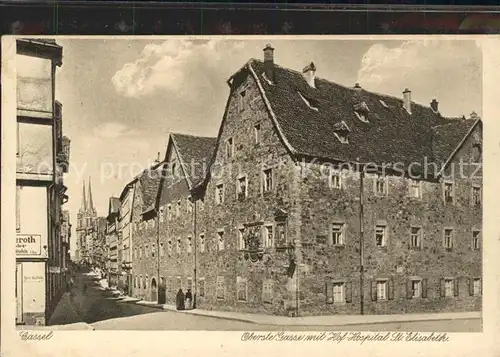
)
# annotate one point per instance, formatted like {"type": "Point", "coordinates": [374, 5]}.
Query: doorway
{"type": "Point", "coordinates": [19, 293]}
{"type": "Point", "coordinates": [162, 291]}
{"type": "Point", "coordinates": [154, 293]}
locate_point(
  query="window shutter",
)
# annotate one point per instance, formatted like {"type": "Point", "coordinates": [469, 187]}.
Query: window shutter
{"type": "Point", "coordinates": [457, 284]}
{"type": "Point", "coordinates": [374, 290]}
{"type": "Point", "coordinates": [329, 292]}
{"type": "Point", "coordinates": [390, 286]}
{"type": "Point", "coordinates": [443, 293]}
{"type": "Point", "coordinates": [424, 288]}
{"type": "Point", "coordinates": [348, 292]}
{"type": "Point", "coordinates": [409, 292]}
{"type": "Point", "coordinates": [470, 284]}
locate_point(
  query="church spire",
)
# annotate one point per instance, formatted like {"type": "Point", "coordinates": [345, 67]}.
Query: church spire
{"type": "Point", "coordinates": [83, 208]}
{"type": "Point", "coordinates": [91, 202]}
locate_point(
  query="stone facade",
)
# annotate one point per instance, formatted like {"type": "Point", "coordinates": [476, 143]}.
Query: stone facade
{"type": "Point", "coordinates": [306, 229]}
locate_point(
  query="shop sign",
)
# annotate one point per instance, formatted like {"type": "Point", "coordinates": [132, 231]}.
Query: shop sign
{"type": "Point", "coordinates": [29, 245]}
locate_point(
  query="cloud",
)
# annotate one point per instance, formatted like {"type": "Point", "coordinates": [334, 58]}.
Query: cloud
{"type": "Point", "coordinates": [448, 70]}
{"type": "Point", "coordinates": [112, 130]}
{"type": "Point", "coordinates": [175, 66]}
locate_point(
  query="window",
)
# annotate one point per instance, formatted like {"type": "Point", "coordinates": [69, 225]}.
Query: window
{"type": "Point", "coordinates": [380, 235]}
{"type": "Point", "coordinates": [146, 281]}
{"type": "Point", "coordinates": [475, 287]}
{"type": "Point", "coordinates": [448, 287]}
{"type": "Point", "coordinates": [337, 234]}
{"type": "Point", "coordinates": [241, 289]}
{"type": "Point", "coordinates": [242, 189]}
{"type": "Point", "coordinates": [169, 212]}
{"type": "Point", "coordinates": [361, 116]}
{"type": "Point", "coordinates": [219, 194]}
{"type": "Point", "coordinates": [381, 185]}
{"type": "Point", "coordinates": [229, 148]}
{"type": "Point", "coordinates": [281, 239]}
{"type": "Point", "coordinates": [448, 192]}
{"type": "Point", "coordinates": [241, 100]}
{"type": "Point", "coordinates": [267, 291]}
{"type": "Point", "coordinates": [415, 189]}
{"type": "Point", "coordinates": [202, 242]}
{"type": "Point", "coordinates": [178, 248]}
{"type": "Point", "coordinates": [153, 250]}
{"type": "Point", "coordinates": [257, 133]}
{"type": "Point", "coordinates": [415, 288]}
{"type": "Point", "coordinates": [384, 104]}
{"type": "Point", "coordinates": [169, 247]}
{"type": "Point", "coordinates": [338, 293]}
{"type": "Point", "coordinates": [140, 252]}
{"type": "Point", "coordinates": [189, 245]}
{"type": "Point", "coordinates": [189, 205]}
{"type": "Point", "coordinates": [382, 290]}
{"type": "Point", "coordinates": [201, 287]}
{"type": "Point", "coordinates": [476, 153]}
{"type": "Point", "coordinates": [268, 236]}
{"type": "Point", "coordinates": [146, 251]}
{"type": "Point", "coordinates": [448, 238]}
{"type": "Point", "coordinates": [476, 234]}
{"type": "Point", "coordinates": [241, 239]}
{"type": "Point", "coordinates": [267, 183]}
{"type": "Point", "coordinates": [335, 179]}
{"type": "Point", "coordinates": [220, 288]}
{"type": "Point", "coordinates": [220, 240]}
{"type": "Point", "coordinates": [141, 282]}
{"type": "Point", "coordinates": [162, 250]}
{"type": "Point", "coordinates": [178, 209]}
{"type": "Point", "coordinates": [135, 282]}
{"type": "Point", "coordinates": [415, 237]}
{"type": "Point", "coordinates": [476, 195]}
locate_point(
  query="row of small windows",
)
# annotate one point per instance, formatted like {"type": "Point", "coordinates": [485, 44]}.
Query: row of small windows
{"type": "Point", "coordinates": [338, 233]}
{"type": "Point", "coordinates": [383, 289]}
{"type": "Point", "coordinates": [271, 235]}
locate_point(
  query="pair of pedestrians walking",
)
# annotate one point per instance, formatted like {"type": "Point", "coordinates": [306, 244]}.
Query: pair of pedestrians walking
{"type": "Point", "coordinates": [184, 301]}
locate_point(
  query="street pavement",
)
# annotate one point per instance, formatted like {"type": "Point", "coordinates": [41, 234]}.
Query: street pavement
{"type": "Point", "coordinates": [103, 311]}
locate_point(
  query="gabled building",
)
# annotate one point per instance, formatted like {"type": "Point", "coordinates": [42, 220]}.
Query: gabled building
{"type": "Point", "coordinates": [86, 229]}
{"type": "Point", "coordinates": [320, 199]}
{"type": "Point", "coordinates": [112, 241]}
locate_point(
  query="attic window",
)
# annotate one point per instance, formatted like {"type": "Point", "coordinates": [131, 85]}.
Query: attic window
{"type": "Point", "coordinates": [361, 110]}
{"type": "Point", "coordinates": [341, 131]}
{"type": "Point", "coordinates": [311, 103]}
{"type": "Point", "coordinates": [384, 104]}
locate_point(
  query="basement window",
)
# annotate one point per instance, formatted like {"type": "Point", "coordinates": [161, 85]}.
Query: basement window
{"type": "Point", "coordinates": [311, 103]}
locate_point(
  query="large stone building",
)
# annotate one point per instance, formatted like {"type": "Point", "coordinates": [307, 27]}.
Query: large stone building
{"type": "Point", "coordinates": [317, 199]}
{"type": "Point", "coordinates": [42, 159]}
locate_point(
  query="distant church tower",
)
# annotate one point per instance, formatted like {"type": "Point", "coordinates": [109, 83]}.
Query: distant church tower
{"type": "Point", "coordinates": [86, 225]}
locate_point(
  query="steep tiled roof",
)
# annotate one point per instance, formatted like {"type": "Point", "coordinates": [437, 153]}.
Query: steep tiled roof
{"type": "Point", "coordinates": [149, 181]}
{"type": "Point", "coordinates": [390, 136]}
{"type": "Point", "coordinates": [195, 153]}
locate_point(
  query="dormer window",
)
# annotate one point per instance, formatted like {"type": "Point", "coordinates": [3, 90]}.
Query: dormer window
{"type": "Point", "coordinates": [341, 131]}
{"type": "Point", "coordinates": [361, 110]}
{"type": "Point", "coordinates": [309, 102]}
{"type": "Point", "coordinates": [384, 104]}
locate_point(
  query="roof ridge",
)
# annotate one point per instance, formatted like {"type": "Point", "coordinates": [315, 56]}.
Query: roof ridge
{"type": "Point", "coordinates": [350, 88]}
{"type": "Point", "coordinates": [193, 136]}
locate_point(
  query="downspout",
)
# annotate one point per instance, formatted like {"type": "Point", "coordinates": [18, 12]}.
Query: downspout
{"type": "Point", "coordinates": [361, 241]}
{"type": "Point", "coordinates": [157, 254]}
{"type": "Point", "coordinates": [195, 237]}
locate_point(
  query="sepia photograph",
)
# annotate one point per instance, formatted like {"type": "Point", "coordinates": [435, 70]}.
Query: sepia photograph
{"type": "Point", "coordinates": [248, 184]}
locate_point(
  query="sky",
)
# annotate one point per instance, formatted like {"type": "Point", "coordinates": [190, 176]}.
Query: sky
{"type": "Point", "coordinates": [122, 97]}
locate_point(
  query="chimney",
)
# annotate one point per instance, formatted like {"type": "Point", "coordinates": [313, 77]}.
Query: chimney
{"type": "Point", "coordinates": [269, 62]}
{"type": "Point", "coordinates": [309, 72]}
{"type": "Point", "coordinates": [357, 86]}
{"type": "Point", "coordinates": [407, 100]}
{"type": "Point", "coordinates": [434, 106]}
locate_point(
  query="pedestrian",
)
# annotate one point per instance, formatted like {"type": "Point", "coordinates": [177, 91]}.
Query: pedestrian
{"type": "Point", "coordinates": [180, 300]}
{"type": "Point", "coordinates": [189, 299]}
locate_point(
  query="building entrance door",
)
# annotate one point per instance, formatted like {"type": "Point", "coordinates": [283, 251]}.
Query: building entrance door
{"type": "Point", "coordinates": [19, 292]}
{"type": "Point", "coordinates": [154, 293]}
{"type": "Point", "coordinates": [162, 292]}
